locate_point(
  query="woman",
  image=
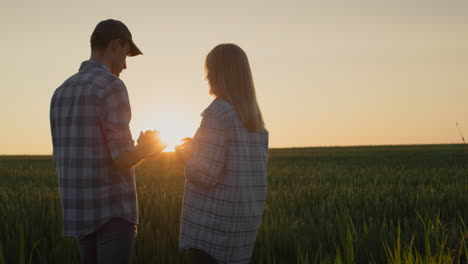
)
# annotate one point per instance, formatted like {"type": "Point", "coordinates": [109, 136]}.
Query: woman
{"type": "Point", "coordinates": [226, 166]}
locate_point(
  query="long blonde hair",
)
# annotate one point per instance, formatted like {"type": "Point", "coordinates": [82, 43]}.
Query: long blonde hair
{"type": "Point", "coordinates": [230, 78]}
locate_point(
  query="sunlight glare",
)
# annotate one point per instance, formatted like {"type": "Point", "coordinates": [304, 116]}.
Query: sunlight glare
{"type": "Point", "coordinates": [173, 127]}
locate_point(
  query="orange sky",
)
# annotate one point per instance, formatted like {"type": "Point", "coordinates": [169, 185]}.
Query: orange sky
{"type": "Point", "coordinates": [327, 72]}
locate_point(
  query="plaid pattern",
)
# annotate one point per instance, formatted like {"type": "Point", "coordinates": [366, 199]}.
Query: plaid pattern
{"type": "Point", "coordinates": [226, 186]}
{"type": "Point", "coordinates": [89, 120]}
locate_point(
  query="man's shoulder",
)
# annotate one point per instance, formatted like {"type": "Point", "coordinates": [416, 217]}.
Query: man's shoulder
{"type": "Point", "coordinates": [67, 83]}
{"type": "Point", "coordinates": [101, 80]}
{"type": "Point", "coordinates": [99, 77]}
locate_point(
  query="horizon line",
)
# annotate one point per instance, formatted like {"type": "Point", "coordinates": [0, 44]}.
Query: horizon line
{"type": "Point", "coordinates": [307, 147]}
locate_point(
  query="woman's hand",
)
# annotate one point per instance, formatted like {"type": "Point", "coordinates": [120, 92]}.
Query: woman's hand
{"type": "Point", "coordinates": [185, 150]}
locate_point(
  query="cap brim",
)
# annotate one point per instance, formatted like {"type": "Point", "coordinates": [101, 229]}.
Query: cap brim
{"type": "Point", "coordinates": [134, 50]}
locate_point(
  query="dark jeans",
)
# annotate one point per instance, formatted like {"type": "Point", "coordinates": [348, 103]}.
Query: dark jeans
{"type": "Point", "coordinates": [197, 256]}
{"type": "Point", "coordinates": [112, 243]}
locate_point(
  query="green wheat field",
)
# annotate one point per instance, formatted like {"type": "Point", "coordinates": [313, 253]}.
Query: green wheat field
{"type": "Point", "coordinates": [382, 204]}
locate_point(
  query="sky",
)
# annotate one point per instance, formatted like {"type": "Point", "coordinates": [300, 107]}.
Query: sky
{"type": "Point", "coordinates": [327, 73]}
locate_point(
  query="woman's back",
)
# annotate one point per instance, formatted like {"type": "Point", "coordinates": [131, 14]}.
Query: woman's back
{"type": "Point", "coordinates": [226, 186]}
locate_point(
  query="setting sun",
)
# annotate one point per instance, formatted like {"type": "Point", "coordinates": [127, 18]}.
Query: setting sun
{"type": "Point", "coordinates": [173, 127]}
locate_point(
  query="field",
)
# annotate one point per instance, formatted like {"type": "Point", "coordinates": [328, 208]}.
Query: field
{"type": "Point", "coordinates": [383, 204]}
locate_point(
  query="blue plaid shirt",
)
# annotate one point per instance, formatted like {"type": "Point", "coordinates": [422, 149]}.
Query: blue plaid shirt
{"type": "Point", "coordinates": [226, 186]}
{"type": "Point", "coordinates": [89, 120]}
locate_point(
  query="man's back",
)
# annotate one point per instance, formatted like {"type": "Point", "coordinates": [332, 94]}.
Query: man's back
{"type": "Point", "coordinates": [89, 119]}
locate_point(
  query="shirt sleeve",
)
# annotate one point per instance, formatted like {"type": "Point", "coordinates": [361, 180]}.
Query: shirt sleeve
{"type": "Point", "coordinates": [209, 150]}
{"type": "Point", "coordinates": [52, 128]}
{"type": "Point", "coordinates": [116, 118]}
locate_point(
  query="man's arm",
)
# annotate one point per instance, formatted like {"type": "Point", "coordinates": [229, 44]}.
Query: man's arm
{"type": "Point", "coordinates": [149, 144]}
{"type": "Point", "coordinates": [115, 120]}
{"type": "Point", "coordinates": [130, 159]}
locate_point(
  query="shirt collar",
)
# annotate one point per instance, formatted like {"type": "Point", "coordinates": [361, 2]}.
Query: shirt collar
{"type": "Point", "coordinates": [92, 64]}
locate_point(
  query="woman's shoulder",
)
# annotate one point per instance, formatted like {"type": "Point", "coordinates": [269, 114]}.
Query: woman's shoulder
{"type": "Point", "coordinates": [218, 108]}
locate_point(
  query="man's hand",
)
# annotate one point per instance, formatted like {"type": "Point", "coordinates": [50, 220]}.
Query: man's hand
{"type": "Point", "coordinates": [150, 143]}
{"type": "Point", "coordinates": [148, 137]}
{"type": "Point", "coordinates": [185, 150]}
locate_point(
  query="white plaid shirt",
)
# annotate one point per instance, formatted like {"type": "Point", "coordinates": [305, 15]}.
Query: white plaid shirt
{"type": "Point", "coordinates": [226, 186]}
{"type": "Point", "coordinates": [89, 120]}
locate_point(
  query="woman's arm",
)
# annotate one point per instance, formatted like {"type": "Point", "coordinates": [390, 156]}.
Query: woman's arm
{"type": "Point", "coordinates": [208, 153]}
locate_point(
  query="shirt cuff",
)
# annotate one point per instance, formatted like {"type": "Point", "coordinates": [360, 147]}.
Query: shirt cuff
{"type": "Point", "coordinates": [117, 148]}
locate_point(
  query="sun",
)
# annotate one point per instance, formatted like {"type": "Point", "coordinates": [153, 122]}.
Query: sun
{"type": "Point", "coordinates": [173, 126]}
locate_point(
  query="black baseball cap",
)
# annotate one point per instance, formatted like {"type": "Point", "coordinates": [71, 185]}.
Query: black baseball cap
{"type": "Point", "coordinates": [110, 29]}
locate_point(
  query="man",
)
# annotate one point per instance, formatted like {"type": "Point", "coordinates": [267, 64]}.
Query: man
{"type": "Point", "coordinates": [93, 150]}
